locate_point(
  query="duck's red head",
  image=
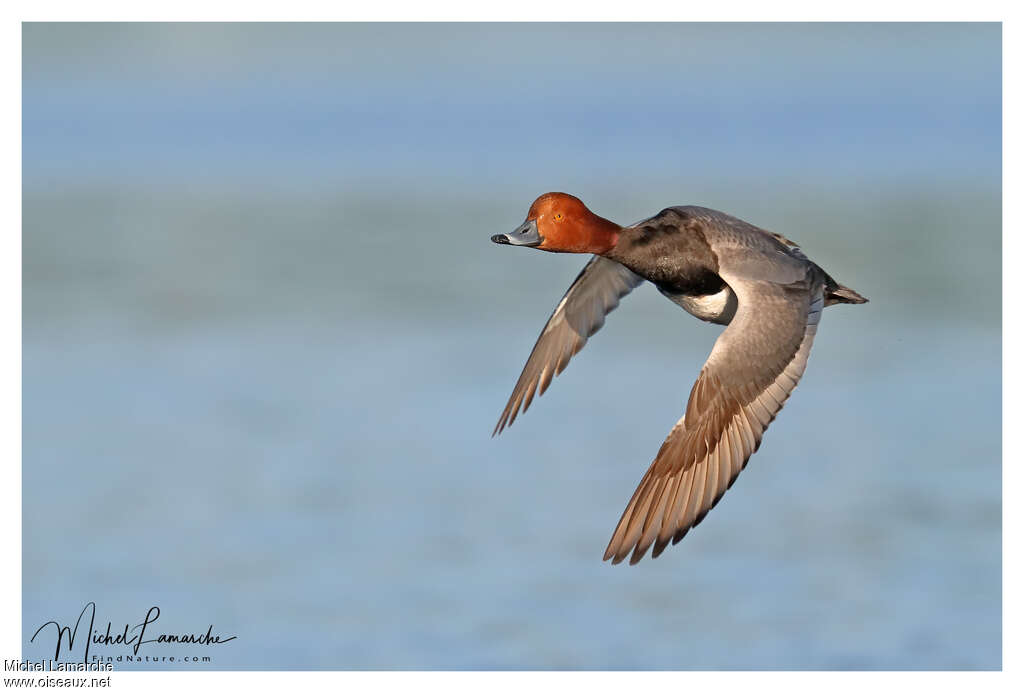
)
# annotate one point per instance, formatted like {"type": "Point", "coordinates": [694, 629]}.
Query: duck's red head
{"type": "Point", "coordinates": [561, 223]}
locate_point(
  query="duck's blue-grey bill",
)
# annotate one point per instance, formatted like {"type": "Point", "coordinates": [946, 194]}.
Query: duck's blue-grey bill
{"type": "Point", "coordinates": [527, 234]}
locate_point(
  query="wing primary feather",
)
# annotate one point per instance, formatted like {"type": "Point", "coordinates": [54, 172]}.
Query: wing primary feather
{"type": "Point", "coordinates": [652, 524]}
{"type": "Point", "coordinates": [636, 523]}
{"type": "Point", "coordinates": [620, 530]}
{"type": "Point", "coordinates": [710, 463]}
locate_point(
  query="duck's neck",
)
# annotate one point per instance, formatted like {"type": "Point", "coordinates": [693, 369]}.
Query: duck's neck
{"type": "Point", "coordinates": [604, 234]}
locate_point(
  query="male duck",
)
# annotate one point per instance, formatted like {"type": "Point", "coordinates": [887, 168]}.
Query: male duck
{"type": "Point", "coordinates": [719, 269]}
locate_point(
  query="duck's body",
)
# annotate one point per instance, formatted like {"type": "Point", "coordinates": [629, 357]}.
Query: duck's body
{"type": "Point", "coordinates": [719, 269]}
{"type": "Point", "coordinates": [676, 251]}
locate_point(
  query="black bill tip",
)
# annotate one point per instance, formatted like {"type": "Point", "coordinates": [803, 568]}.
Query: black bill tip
{"type": "Point", "coordinates": [500, 238]}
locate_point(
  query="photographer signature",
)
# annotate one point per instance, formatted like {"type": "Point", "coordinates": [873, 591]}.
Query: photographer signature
{"type": "Point", "coordinates": [131, 636]}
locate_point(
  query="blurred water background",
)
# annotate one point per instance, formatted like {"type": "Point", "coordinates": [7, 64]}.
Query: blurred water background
{"type": "Point", "coordinates": [266, 339]}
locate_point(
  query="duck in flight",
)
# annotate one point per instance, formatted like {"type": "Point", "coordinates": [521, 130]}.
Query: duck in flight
{"type": "Point", "coordinates": [719, 269]}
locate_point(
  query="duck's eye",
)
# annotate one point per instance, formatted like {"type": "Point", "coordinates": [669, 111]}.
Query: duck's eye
{"type": "Point", "coordinates": [558, 217]}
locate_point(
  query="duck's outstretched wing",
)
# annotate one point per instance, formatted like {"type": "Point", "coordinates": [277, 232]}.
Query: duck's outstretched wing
{"type": "Point", "coordinates": [594, 294]}
{"type": "Point", "coordinates": [753, 367]}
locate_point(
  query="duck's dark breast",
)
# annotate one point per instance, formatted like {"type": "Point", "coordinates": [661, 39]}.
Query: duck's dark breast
{"type": "Point", "coordinates": [700, 282]}
{"type": "Point", "coordinates": [671, 250]}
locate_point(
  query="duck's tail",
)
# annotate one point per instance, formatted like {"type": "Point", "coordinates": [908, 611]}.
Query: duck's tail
{"type": "Point", "coordinates": [834, 291]}
{"type": "Point", "coordinates": [837, 293]}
